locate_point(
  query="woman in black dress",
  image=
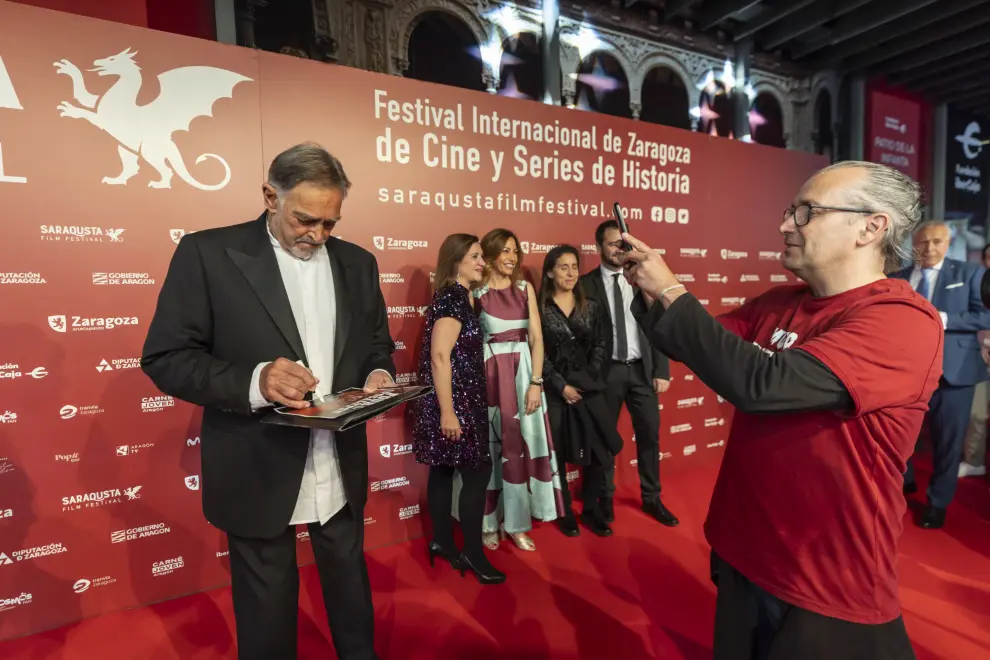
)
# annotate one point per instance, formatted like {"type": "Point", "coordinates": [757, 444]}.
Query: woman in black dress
{"type": "Point", "coordinates": [580, 422]}
{"type": "Point", "coordinates": [450, 431]}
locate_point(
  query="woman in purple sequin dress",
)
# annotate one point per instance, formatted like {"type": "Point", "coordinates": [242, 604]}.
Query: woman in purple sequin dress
{"type": "Point", "coordinates": [450, 431]}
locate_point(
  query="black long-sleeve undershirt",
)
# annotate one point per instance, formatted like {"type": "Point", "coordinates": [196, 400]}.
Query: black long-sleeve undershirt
{"type": "Point", "coordinates": [786, 382]}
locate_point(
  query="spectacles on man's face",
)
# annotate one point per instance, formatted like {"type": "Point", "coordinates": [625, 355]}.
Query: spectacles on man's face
{"type": "Point", "coordinates": [802, 213]}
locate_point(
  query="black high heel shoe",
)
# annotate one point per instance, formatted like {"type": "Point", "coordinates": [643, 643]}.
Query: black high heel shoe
{"type": "Point", "coordinates": [487, 575]}
{"type": "Point", "coordinates": [435, 551]}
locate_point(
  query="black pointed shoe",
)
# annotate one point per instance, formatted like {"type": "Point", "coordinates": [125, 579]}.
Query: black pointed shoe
{"type": "Point", "coordinates": [657, 510]}
{"type": "Point", "coordinates": [596, 523]}
{"type": "Point", "coordinates": [434, 550]}
{"type": "Point", "coordinates": [932, 518]}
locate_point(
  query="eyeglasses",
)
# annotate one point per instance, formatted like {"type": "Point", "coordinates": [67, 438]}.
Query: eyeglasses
{"type": "Point", "coordinates": [802, 212]}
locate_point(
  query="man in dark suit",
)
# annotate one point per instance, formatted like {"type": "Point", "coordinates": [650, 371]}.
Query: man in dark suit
{"type": "Point", "coordinates": [636, 374]}
{"type": "Point", "coordinates": [274, 312]}
{"type": "Point", "coordinates": [953, 287]}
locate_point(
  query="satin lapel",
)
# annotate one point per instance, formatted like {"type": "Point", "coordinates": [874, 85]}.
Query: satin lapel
{"type": "Point", "coordinates": [257, 263]}
{"type": "Point", "coordinates": [341, 292]}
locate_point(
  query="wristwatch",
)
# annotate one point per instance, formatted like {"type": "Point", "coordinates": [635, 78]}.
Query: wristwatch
{"type": "Point", "coordinates": [536, 381]}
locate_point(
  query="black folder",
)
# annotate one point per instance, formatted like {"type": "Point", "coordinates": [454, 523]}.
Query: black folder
{"type": "Point", "coordinates": [347, 409]}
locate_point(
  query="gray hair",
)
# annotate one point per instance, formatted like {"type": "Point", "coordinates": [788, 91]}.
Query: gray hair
{"type": "Point", "coordinates": [931, 223]}
{"type": "Point", "coordinates": [307, 163]}
{"type": "Point", "coordinates": [889, 191]}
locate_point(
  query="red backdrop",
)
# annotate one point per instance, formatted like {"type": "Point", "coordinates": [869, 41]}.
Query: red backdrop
{"type": "Point", "coordinates": [99, 502]}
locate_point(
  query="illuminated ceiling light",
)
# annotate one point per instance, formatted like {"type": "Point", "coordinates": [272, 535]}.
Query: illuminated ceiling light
{"type": "Point", "coordinates": [707, 83]}
{"type": "Point", "coordinates": [728, 77]}
{"type": "Point", "coordinates": [508, 19]}
{"type": "Point", "coordinates": [491, 54]}
{"type": "Point", "coordinates": [585, 41]}
{"type": "Point", "coordinates": [750, 91]}
{"type": "Point", "coordinates": [551, 12]}
{"type": "Point", "coordinates": [756, 119]}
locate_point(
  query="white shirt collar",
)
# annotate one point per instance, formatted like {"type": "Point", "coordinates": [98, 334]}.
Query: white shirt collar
{"type": "Point", "coordinates": [608, 274]}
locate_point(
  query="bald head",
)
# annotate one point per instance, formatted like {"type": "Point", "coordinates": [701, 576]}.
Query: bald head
{"type": "Point", "coordinates": [931, 243]}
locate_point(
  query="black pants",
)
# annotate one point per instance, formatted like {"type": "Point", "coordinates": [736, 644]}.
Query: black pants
{"type": "Point", "coordinates": [470, 508]}
{"type": "Point", "coordinates": [265, 586]}
{"type": "Point", "coordinates": [948, 413]}
{"type": "Point", "coordinates": [750, 624]}
{"type": "Point", "coordinates": [630, 384]}
{"type": "Point", "coordinates": [593, 488]}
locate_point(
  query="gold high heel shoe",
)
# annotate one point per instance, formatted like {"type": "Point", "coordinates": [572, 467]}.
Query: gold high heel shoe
{"type": "Point", "coordinates": [490, 540]}
{"type": "Point", "coordinates": [522, 540]}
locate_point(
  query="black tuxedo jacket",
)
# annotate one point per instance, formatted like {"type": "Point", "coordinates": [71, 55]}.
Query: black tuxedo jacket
{"type": "Point", "coordinates": [223, 310]}
{"type": "Point", "coordinates": [655, 363]}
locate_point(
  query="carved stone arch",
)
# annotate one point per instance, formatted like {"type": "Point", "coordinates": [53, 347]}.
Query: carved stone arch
{"type": "Point", "coordinates": [653, 61]}
{"type": "Point", "coordinates": [825, 81]}
{"type": "Point", "coordinates": [829, 81]}
{"type": "Point", "coordinates": [570, 64]}
{"type": "Point", "coordinates": [527, 25]}
{"type": "Point", "coordinates": [407, 14]}
{"type": "Point", "coordinates": [605, 45]}
{"type": "Point", "coordinates": [761, 86]}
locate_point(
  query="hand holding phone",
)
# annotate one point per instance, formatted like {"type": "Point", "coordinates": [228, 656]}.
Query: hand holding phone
{"type": "Point", "coordinates": [617, 210]}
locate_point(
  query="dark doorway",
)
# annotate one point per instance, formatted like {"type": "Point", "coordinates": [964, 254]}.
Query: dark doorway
{"type": "Point", "coordinates": [442, 50]}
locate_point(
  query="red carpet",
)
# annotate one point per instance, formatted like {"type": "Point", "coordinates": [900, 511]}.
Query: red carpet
{"type": "Point", "coordinates": [644, 593]}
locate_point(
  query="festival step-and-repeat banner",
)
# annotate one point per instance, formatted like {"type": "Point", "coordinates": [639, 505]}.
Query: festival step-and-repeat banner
{"type": "Point", "coordinates": [117, 141]}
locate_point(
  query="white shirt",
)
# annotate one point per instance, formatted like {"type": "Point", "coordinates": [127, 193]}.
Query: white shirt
{"type": "Point", "coordinates": [309, 285]}
{"type": "Point", "coordinates": [634, 351]}
{"type": "Point", "coordinates": [932, 277]}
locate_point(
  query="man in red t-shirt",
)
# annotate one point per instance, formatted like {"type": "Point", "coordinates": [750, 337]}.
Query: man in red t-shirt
{"type": "Point", "coordinates": [831, 381]}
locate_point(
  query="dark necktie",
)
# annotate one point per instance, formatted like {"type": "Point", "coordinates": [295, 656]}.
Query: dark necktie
{"type": "Point", "coordinates": [621, 341]}
{"type": "Point", "coordinates": [923, 288]}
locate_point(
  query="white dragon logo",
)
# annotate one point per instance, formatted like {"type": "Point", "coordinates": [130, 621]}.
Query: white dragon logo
{"type": "Point", "coordinates": [186, 93]}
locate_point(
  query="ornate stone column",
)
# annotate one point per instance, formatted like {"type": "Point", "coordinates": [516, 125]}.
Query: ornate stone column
{"type": "Point", "coordinates": [399, 66]}
{"type": "Point", "coordinates": [325, 46]}
{"type": "Point", "coordinates": [491, 81]}
{"type": "Point", "coordinates": [247, 16]}
{"type": "Point", "coordinates": [635, 109]}
{"type": "Point", "coordinates": [374, 37]}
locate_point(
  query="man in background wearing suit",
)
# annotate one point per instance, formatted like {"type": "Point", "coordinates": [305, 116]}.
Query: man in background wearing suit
{"type": "Point", "coordinates": [261, 314]}
{"type": "Point", "coordinates": [636, 374]}
{"type": "Point", "coordinates": [953, 287]}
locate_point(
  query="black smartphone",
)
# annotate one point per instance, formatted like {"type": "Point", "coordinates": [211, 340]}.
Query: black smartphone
{"type": "Point", "coordinates": [617, 210]}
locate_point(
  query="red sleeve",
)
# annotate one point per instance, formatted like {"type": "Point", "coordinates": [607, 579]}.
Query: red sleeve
{"type": "Point", "coordinates": [886, 354]}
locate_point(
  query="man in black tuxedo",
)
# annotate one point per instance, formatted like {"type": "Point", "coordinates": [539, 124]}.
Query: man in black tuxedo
{"type": "Point", "coordinates": [636, 374]}
{"type": "Point", "coordinates": [261, 314]}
